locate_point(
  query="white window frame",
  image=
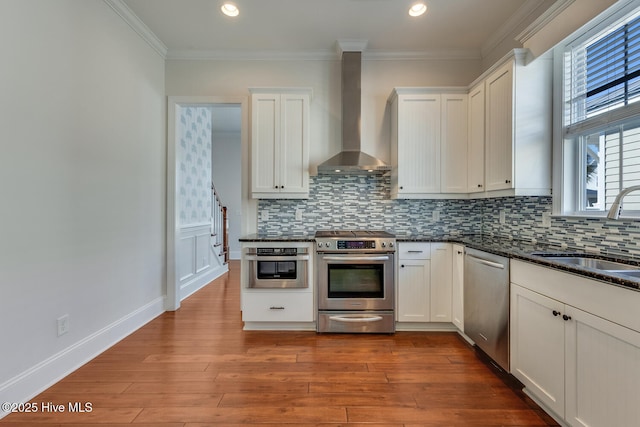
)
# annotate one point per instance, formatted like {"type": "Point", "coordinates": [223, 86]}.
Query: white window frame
{"type": "Point", "coordinates": [567, 173]}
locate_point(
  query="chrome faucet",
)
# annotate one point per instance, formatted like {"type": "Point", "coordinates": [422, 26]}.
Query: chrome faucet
{"type": "Point", "coordinates": [616, 207]}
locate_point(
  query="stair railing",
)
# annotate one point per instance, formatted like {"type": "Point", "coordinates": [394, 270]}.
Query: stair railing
{"type": "Point", "coordinates": [220, 226]}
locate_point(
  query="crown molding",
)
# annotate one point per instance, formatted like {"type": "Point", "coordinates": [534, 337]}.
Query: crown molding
{"type": "Point", "coordinates": [320, 55]}
{"type": "Point", "coordinates": [509, 26]}
{"type": "Point", "coordinates": [138, 26]}
{"type": "Point", "coordinates": [556, 9]}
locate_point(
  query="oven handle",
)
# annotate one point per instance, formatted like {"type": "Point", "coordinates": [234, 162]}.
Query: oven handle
{"type": "Point", "coordinates": [276, 258]}
{"type": "Point", "coordinates": [356, 258]}
{"type": "Point", "coordinates": [355, 318]}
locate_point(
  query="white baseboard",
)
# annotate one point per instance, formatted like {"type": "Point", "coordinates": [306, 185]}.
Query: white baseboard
{"type": "Point", "coordinates": [279, 326]}
{"type": "Point", "coordinates": [194, 285]}
{"type": "Point", "coordinates": [425, 327]}
{"type": "Point", "coordinates": [38, 378]}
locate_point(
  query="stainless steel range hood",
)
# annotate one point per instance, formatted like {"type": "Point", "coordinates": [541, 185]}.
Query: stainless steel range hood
{"type": "Point", "coordinates": [351, 159]}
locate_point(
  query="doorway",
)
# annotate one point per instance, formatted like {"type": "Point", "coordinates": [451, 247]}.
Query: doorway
{"type": "Point", "coordinates": [206, 145]}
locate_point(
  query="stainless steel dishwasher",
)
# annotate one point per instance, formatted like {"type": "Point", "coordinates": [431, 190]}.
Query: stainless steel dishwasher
{"type": "Point", "coordinates": [486, 303]}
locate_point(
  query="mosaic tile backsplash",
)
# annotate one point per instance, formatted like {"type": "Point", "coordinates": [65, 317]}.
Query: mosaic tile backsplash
{"type": "Point", "coordinates": [362, 202]}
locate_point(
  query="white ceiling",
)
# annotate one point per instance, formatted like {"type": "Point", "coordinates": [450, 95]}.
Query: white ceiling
{"type": "Point", "coordinates": [271, 27]}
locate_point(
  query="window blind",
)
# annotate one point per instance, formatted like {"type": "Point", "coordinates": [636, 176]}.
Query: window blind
{"type": "Point", "coordinates": [603, 75]}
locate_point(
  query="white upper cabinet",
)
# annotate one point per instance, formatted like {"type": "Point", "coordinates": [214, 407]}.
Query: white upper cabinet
{"type": "Point", "coordinates": [518, 98]}
{"type": "Point", "coordinates": [428, 142]}
{"type": "Point", "coordinates": [280, 143]}
{"type": "Point", "coordinates": [454, 143]}
{"type": "Point", "coordinates": [475, 169]}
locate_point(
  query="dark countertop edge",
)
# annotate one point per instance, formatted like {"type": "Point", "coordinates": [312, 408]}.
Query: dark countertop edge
{"type": "Point", "coordinates": [306, 239]}
{"type": "Point", "coordinates": [499, 246]}
{"type": "Point", "coordinates": [506, 249]}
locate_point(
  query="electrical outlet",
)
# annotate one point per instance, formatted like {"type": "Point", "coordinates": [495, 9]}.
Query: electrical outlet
{"type": "Point", "coordinates": [546, 219]}
{"type": "Point", "coordinates": [503, 217]}
{"type": "Point", "coordinates": [436, 215]}
{"type": "Point", "coordinates": [63, 324]}
{"type": "Point", "coordinates": [298, 214]}
{"type": "Point", "coordinates": [264, 216]}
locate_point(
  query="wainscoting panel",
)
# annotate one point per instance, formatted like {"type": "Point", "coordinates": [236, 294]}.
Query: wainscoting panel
{"type": "Point", "coordinates": [197, 265]}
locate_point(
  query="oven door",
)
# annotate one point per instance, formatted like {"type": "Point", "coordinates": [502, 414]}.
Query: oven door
{"type": "Point", "coordinates": [355, 281]}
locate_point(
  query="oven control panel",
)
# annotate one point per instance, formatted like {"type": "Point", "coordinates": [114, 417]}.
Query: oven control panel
{"type": "Point", "coordinates": [356, 244]}
{"type": "Point", "coordinates": [373, 245]}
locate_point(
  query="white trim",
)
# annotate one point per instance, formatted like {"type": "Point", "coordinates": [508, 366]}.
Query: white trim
{"type": "Point", "coordinates": [38, 378]}
{"type": "Point", "coordinates": [174, 287]}
{"type": "Point", "coordinates": [193, 286]}
{"type": "Point", "coordinates": [538, 25]}
{"type": "Point", "coordinates": [319, 55]}
{"type": "Point", "coordinates": [138, 26]}
{"type": "Point", "coordinates": [279, 326]}
{"type": "Point", "coordinates": [509, 26]}
{"type": "Point", "coordinates": [425, 326]}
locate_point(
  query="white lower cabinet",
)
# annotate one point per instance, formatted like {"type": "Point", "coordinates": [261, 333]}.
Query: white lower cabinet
{"type": "Point", "coordinates": [414, 282]}
{"type": "Point", "coordinates": [424, 282]}
{"type": "Point", "coordinates": [457, 287]}
{"type": "Point", "coordinates": [441, 281]}
{"type": "Point", "coordinates": [276, 306]}
{"type": "Point", "coordinates": [582, 367]}
{"type": "Point", "coordinates": [537, 346]}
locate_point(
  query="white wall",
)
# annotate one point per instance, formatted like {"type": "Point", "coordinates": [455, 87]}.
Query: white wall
{"type": "Point", "coordinates": [82, 186]}
{"type": "Point", "coordinates": [233, 78]}
{"type": "Point", "coordinates": [227, 177]}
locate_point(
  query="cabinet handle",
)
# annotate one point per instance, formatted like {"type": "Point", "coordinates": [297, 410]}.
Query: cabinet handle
{"type": "Point", "coordinates": [556, 313]}
{"type": "Point", "coordinates": [401, 187]}
{"type": "Point", "coordinates": [507, 181]}
{"type": "Point", "coordinates": [402, 265]}
{"type": "Point", "coordinates": [415, 252]}
{"type": "Point", "coordinates": [459, 252]}
{"type": "Point", "coordinates": [276, 308]}
{"type": "Point", "coordinates": [479, 185]}
{"type": "Point", "coordinates": [565, 317]}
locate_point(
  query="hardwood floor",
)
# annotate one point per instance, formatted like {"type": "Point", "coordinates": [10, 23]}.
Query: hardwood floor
{"type": "Point", "coordinates": [197, 368]}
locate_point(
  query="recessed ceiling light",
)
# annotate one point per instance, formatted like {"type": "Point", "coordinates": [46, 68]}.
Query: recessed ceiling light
{"type": "Point", "coordinates": [230, 9]}
{"type": "Point", "coordinates": [418, 9]}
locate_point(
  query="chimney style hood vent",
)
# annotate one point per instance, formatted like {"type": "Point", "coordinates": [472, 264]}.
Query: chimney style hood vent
{"type": "Point", "coordinates": [351, 159]}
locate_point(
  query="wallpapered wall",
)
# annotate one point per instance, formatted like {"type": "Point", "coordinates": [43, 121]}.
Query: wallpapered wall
{"type": "Point", "coordinates": [194, 165]}
{"type": "Point", "coordinates": [362, 202]}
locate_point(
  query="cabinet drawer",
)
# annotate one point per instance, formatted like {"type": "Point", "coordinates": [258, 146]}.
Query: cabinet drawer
{"type": "Point", "coordinates": [277, 307]}
{"type": "Point", "coordinates": [414, 250]}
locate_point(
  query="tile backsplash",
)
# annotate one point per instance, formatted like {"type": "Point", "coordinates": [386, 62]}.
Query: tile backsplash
{"type": "Point", "coordinates": [362, 202]}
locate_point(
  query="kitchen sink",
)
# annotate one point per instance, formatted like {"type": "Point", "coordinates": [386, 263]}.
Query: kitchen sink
{"type": "Point", "coordinates": [594, 263]}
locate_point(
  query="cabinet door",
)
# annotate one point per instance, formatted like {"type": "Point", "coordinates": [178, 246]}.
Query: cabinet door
{"type": "Point", "coordinates": [537, 346]}
{"type": "Point", "coordinates": [294, 149]}
{"type": "Point", "coordinates": [457, 291]}
{"type": "Point", "coordinates": [499, 129]}
{"type": "Point", "coordinates": [413, 290]}
{"type": "Point", "coordinates": [603, 372]}
{"type": "Point", "coordinates": [265, 140]}
{"type": "Point", "coordinates": [441, 282]}
{"type": "Point", "coordinates": [419, 143]}
{"type": "Point", "coordinates": [475, 173]}
{"type": "Point", "coordinates": [453, 144]}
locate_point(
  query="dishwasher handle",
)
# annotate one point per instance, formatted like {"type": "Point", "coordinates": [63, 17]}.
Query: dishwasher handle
{"type": "Point", "coordinates": [487, 262]}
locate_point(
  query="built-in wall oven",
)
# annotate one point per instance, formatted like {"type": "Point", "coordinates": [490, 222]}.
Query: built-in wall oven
{"type": "Point", "coordinates": [355, 281]}
{"type": "Point", "coordinates": [277, 267]}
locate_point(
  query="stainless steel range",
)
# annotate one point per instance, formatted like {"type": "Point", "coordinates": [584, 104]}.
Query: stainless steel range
{"type": "Point", "coordinates": [355, 277]}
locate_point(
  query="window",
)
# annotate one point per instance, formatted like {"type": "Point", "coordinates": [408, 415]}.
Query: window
{"type": "Point", "coordinates": [602, 118]}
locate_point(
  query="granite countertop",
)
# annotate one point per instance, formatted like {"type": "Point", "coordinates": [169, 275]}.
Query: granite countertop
{"type": "Point", "coordinates": [258, 237]}
{"type": "Point", "coordinates": [511, 248]}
